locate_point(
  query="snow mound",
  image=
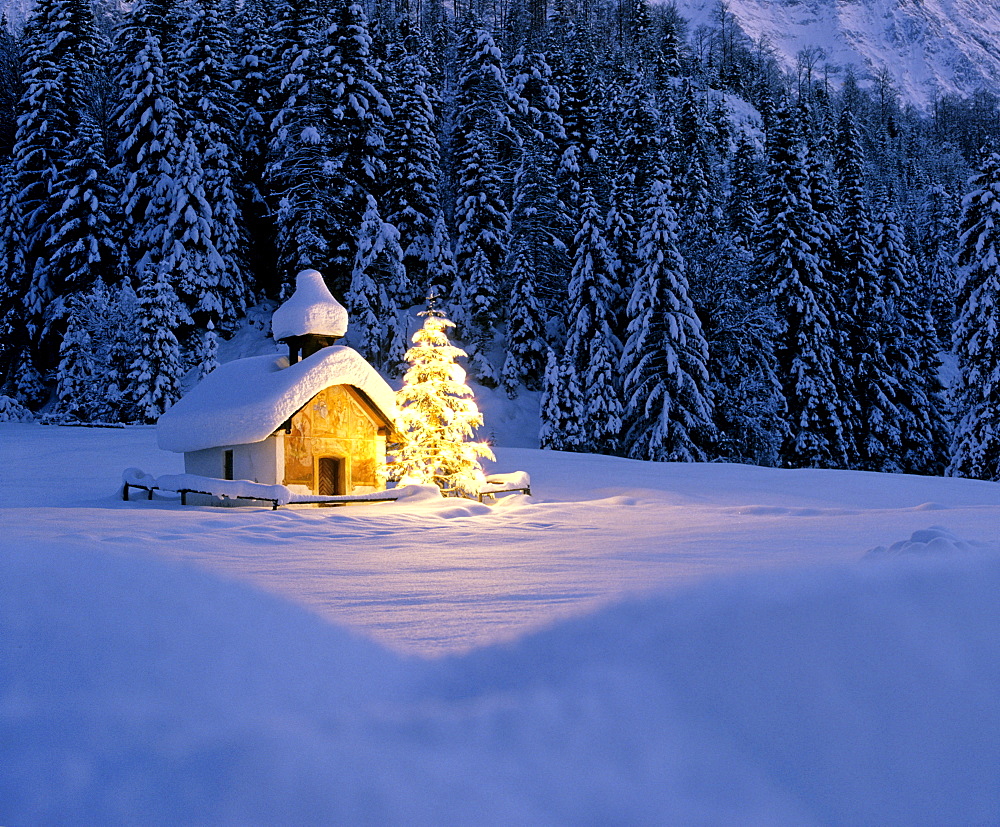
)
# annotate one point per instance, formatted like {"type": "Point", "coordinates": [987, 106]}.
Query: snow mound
{"type": "Point", "coordinates": [136, 476]}
{"type": "Point", "coordinates": [856, 695]}
{"type": "Point", "coordinates": [13, 411]}
{"type": "Point", "coordinates": [135, 690]}
{"type": "Point", "coordinates": [409, 493]}
{"type": "Point", "coordinates": [933, 540]}
{"type": "Point", "coordinates": [247, 400]}
{"type": "Point", "coordinates": [498, 483]}
{"type": "Point", "coordinates": [311, 309]}
{"type": "Point", "coordinates": [417, 493]}
{"type": "Point", "coordinates": [152, 693]}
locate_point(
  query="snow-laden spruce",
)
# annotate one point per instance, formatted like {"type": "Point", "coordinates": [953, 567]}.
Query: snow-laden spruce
{"type": "Point", "coordinates": [379, 288]}
{"type": "Point", "coordinates": [47, 161]}
{"type": "Point", "coordinates": [438, 415]}
{"type": "Point", "coordinates": [976, 451]}
{"type": "Point", "coordinates": [792, 251]}
{"type": "Point", "coordinates": [411, 201]}
{"type": "Point", "coordinates": [592, 351]}
{"type": "Point", "coordinates": [668, 404]}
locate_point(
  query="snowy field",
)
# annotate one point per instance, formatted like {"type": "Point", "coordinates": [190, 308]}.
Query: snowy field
{"type": "Point", "coordinates": [637, 643]}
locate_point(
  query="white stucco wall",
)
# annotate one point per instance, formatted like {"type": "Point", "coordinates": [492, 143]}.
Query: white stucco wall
{"type": "Point", "coordinates": [262, 462]}
{"type": "Point", "coordinates": [208, 462]}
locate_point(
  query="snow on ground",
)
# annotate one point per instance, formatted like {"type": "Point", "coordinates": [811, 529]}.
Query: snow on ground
{"type": "Point", "coordinates": [636, 643]}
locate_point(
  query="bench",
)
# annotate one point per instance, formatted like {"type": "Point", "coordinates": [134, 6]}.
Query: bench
{"type": "Point", "coordinates": [134, 478]}
{"type": "Point", "coordinates": [126, 487]}
{"type": "Point", "coordinates": [516, 482]}
{"type": "Point", "coordinates": [276, 495]}
{"type": "Point", "coordinates": [185, 484]}
{"type": "Point", "coordinates": [185, 491]}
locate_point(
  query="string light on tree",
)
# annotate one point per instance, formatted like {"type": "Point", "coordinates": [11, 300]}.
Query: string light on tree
{"type": "Point", "coordinates": [438, 413]}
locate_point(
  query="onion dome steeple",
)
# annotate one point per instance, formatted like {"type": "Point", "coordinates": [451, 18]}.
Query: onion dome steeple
{"type": "Point", "coordinates": [310, 319]}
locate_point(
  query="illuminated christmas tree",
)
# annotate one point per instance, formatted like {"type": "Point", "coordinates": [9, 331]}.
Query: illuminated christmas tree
{"type": "Point", "coordinates": [438, 414]}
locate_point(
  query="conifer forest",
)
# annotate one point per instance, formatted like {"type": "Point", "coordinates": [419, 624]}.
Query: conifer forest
{"type": "Point", "coordinates": [691, 254]}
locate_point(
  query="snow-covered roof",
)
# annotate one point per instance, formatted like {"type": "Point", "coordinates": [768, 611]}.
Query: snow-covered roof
{"type": "Point", "coordinates": [311, 309]}
{"type": "Point", "coordinates": [247, 400]}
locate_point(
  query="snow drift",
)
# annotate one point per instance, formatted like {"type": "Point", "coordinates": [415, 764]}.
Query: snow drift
{"type": "Point", "coordinates": [813, 684]}
{"type": "Point", "coordinates": [137, 690]}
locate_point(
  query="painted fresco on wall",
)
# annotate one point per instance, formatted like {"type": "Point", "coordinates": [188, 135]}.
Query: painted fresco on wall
{"type": "Point", "coordinates": [333, 424]}
{"type": "Point", "coordinates": [298, 461]}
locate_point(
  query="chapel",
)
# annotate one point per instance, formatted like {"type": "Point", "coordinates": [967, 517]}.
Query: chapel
{"type": "Point", "coordinates": [317, 420]}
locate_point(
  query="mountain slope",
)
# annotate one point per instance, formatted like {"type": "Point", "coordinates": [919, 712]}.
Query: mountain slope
{"type": "Point", "coordinates": [928, 47]}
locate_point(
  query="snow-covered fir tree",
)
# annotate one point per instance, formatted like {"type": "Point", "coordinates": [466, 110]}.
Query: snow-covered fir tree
{"type": "Point", "coordinates": [379, 288]}
{"type": "Point", "coordinates": [976, 448]}
{"type": "Point", "coordinates": [792, 252]}
{"type": "Point", "coordinates": [695, 195]}
{"type": "Point", "coordinates": [75, 374]}
{"type": "Point", "coordinates": [208, 351]}
{"type": "Point", "coordinates": [438, 414]}
{"type": "Point", "coordinates": [359, 111]}
{"type": "Point", "coordinates": [84, 247]}
{"type": "Point", "coordinates": [874, 430]}
{"type": "Point", "coordinates": [629, 129]}
{"type": "Point", "coordinates": [114, 312]}
{"type": "Point", "coordinates": [592, 351]}
{"type": "Point", "coordinates": [739, 324]}
{"type": "Point", "coordinates": [60, 49]}
{"type": "Point", "coordinates": [297, 176]}
{"type": "Point", "coordinates": [668, 403]}
{"type": "Point", "coordinates": [541, 231]}
{"type": "Point", "coordinates": [411, 195]}
{"type": "Point", "coordinates": [150, 125]}
{"type": "Point", "coordinates": [935, 249]}
{"type": "Point", "coordinates": [537, 115]}
{"type": "Point", "coordinates": [440, 264]}
{"type": "Point", "coordinates": [744, 190]}
{"type": "Point", "coordinates": [11, 83]}
{"type": "Point", "coordinates": [484, 145]}
{"type": "Point", "coordinates": [910, 349]}
{"type": "Point", "coordinates": [539, 224]}
{"type": "Point", "coordinates": [188, 256]}
{"type": "Point", "coordinates": [579, 111]}
{"type": "Point", "coordinates": [526, 347]}
{"type": "Point", "coordinates": [211, 113]}
{"type": "Point", "coordinates": [13, 335]}
{"type": "Point", "coordinates": [157, 367]}
{"type": "Point", "coordinates": [621, 232]}
{"type": "Point", "coordinates": [253, 74]}
{"type": "Point", "coordinates": [13, 411]}
{"type": "Point", "coordinates": [475, 289]}
{"type": "Point", "coordinates": [560, 406]}
{"type": "Point", "coordinates": [328, 145]}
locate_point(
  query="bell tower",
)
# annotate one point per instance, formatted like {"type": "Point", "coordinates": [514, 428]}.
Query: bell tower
{"type": "Point", "coordinates": [311, 319]}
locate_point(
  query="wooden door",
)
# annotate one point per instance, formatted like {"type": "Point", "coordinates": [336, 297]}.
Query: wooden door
{"type": "Point", "coordinates": [330, 476]}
